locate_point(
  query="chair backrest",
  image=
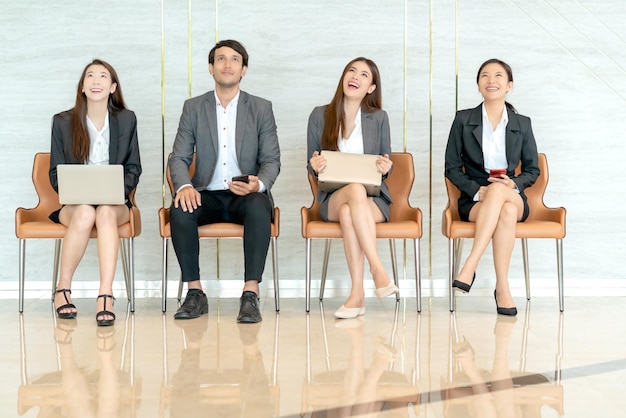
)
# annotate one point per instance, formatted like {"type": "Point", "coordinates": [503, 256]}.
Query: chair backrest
{"type": "Point", "coordinates": [399, 183]}
{"type": "Point", "coordinates": [534, 193]}
{"type": "Point", "coordinates": [192, 170]}
{"type": "Point", "coordinates": [48, 198]}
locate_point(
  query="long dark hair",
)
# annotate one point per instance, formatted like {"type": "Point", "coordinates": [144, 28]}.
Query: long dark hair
{"type": "Point", "coordinates": [334, 114]}
{"type": "Point", "coordinates": [509, 73]}
{"type": "Point", "coordinates": [80, 139]}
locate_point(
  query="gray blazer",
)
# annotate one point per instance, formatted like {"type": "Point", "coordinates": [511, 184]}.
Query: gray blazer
{"type": "Point", "coordinates": [123, 146]}
{"type": "Point", "coordinates": [256, 140]}
{"type": "Point", "coordinates": [376, 141]}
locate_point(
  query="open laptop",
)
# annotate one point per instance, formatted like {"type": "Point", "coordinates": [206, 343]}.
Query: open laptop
{"type": "Point", "coordinates": [343, 168]}
{"type": "Point", "coordinates": [90, 184]}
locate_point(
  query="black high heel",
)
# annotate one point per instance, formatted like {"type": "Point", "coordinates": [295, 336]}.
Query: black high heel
{"type": "Point", "coordinates": [103, 312]}
{"type": "Point", "coordinates": [504, 311]}
{"type": "Point", "coordinates": [463, 287]}
{"type": "Point", "coordinates": [68, 305]}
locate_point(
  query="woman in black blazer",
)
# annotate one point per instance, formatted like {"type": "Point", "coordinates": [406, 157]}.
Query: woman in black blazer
{"type": "Point", "coordinates": [98, 130]}
{"type": "Point", "coordinates": [355, 122]}
{"type": "Point", "coordinates": [482, 140]}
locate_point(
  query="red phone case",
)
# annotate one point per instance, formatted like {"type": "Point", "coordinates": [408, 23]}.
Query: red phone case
{"type": "Point", "coordinates": [497, 172]}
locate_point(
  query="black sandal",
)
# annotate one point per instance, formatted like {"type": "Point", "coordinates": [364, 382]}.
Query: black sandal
{"type": "Point", "coordinates": [68, 305]}
{"type": "Point", "coordinates": [103, 312]}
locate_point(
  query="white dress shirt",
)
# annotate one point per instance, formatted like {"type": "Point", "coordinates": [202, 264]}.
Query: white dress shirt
{"type": "Point", "coordinates": [353, 144]}
{"type": "Point", "coordinates": [494, 141]}
{"type": "Point", "coordinates": [99, 142]}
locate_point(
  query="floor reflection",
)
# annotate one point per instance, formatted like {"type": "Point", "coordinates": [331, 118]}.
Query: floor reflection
{"type": "Point", "coordinates": [77, 388]}
{"type": "Point", "coordinates": [234, 383]}
{"type": "Point", "coordinates": [369, 383]}
{"type": "Point", "coordinates": [472, 390]}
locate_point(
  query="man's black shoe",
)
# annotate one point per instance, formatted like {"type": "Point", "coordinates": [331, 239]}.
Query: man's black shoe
{"type": "Point", "coordinates": [249, 308]}
{"type": "Point", "coordinates": [195, 305]}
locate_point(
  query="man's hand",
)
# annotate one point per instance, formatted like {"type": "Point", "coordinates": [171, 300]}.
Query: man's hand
{"type": "Point", "coordinates": [188, 198]}
{"type": "Point", "coordinates": [241, 189]}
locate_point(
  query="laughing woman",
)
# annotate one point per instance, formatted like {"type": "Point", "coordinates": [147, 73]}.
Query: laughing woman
{"type": "Point", "coordinates": [98, 130]}
{"type": "Point", "coordinates": [354, 122]}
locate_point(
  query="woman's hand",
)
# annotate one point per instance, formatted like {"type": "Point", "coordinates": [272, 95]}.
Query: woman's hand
{"type": "Point", "coordinates": [504, 179]}
{"type": "Point", "coordinates": [317, 162]}
{"type": "Point", "coordinates": [383, 164]}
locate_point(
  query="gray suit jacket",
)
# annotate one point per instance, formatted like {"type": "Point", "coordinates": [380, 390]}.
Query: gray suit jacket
{"type": "Point", "coordinates": [464, 163]}
{"type": "Point", "coordinates": [376, 141]}
{"type": "Point", "coordinates": [123, 146]}
{"type": "Point", "coordinates": [258, 152]}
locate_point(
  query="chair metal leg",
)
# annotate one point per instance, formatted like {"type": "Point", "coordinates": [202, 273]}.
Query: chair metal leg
{"type": "Point", "coordinates": [458, 252]}
{"type": "Point", "coordinates": [22, 252]}
{"type": "Point", "coordinates": [164, 276]}
{"type": "Point", "coordinates": [307, 286]}
{"type": "Point", "coordinates": [418, 273]}
{"type": "Point", "coordinates": [394, 265]}
{"type": "Point", "coordinates": [55, 272]}
{"type": "Point", "coordinates": [131, 269]}
{"type": "Point", "coordinates": [275, 271]}
{"type": "Point", "coordinates": [451, 260]}
{"type": "Point", "coordinates": [180, 290]}
{"type": "Point", "coordinates": [526, 266]}
{"type": "Point", "coordinates": [559, 257]}
{"type": "Point", "coordinates": [325, 268]}
{"type": "Point", "coordinates": [125, 265]}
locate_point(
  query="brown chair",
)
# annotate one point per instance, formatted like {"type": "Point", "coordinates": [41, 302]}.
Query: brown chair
{"type": "Point", "coordinates": [34, 223]}
{"type": "Point", "coordinates": [405, 222]}
{"type": "Point", "coordinates": [542, 222]}
{"type": "Point", "coordinates": [216, 230]}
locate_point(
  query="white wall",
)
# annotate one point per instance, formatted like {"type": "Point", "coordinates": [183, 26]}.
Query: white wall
{"type": "Point", "coordinates": [569, 63]}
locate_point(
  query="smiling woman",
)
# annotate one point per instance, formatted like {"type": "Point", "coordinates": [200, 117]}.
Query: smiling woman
{"type": "Point", "coordinates": [98, 130]}
{"type": "Point", "coordinates": [354, 122]}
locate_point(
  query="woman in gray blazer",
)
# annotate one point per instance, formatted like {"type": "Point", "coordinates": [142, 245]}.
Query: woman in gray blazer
{"type": "Point", "coordinates": [355, 122]}
{"type": "Point", "coordinates": [98, 130]}
{"type": "Point", "coordinates": [484, 147]}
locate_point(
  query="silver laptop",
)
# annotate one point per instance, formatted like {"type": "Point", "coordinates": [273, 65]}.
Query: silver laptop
{"type": "Point", "coordinates": [343, 168]}
{"type": "Point", "coordinates": [91, 184]}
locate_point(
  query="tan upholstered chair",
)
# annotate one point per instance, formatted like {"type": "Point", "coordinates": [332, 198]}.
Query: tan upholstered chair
{"type": "Point", "coordinates": [216, 231]}
{"type": "Point", "coordinates": [542, 222]}
{"type": "Point", "coordinates": [34, 223]}
{"type": "Point", "coordinates": [405, 223]}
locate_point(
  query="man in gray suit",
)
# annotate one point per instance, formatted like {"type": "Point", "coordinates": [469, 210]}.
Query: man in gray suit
{"type": "Point", "coordinates": [234, 136]}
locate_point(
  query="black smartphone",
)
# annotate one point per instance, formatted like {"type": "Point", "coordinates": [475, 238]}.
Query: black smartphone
{"type": "Point", "coordinates": [243, 178]}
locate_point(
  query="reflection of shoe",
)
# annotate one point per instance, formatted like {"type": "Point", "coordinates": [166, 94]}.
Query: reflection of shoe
{"type": "Point", "coordinates": [463, 287]}
{"type": "Point", "coordinates": [249, 308]}
{"type": "Point", "coordinates": [350, 323]}
{"type": "Point", "coordinates": [105, 339]}
{"type": "Point", "coordinates": [105, 322]}
{"type": "Point", "coordinates": [388, 290]}
{"type": "Point", "coordinates": [348, 313]}
{"type": "Point", "coordinates": [460, 348]}
{"type": "Point", "coordinates": [68, 305]}
{"type": "Point", "coordinates": [504, 311]}
{"type": "Point", "coordinates": [194, 330]}
{"type": "Point", "coordinates": [63, 332]}
{"type": "Point", "coordinates": [386, 351]}
{"type": "Point", "coordinates": [195, 305]}
{"type": "Point", "coordinates": [248, 333]}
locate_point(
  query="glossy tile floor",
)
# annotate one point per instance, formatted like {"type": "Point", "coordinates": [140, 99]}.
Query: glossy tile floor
{"type": "Point", "coordinates": [390, 363]}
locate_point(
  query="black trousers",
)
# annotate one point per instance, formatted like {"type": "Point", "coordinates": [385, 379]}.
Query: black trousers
{"type": "Point", "coordinates": [253, 211]}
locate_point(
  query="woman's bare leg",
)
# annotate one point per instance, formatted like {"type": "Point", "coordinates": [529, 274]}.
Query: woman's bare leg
{"type": "Point", "coordinates": [486, 214]}
{"type": "Point", "coordinates": [79, 220]}
{"type": "Point", "coordinates": [354, 257]}
{"type": "Point", "coordinates": [365, 214]}
{"type": "Point", "coordinates": [108, 218]}
{"type": "Point", "coordinates": [503, 242]}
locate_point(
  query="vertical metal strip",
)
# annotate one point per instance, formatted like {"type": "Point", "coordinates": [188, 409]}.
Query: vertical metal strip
{"type": "Point", "coordinates": [405, 140]}
{"type": "Point", "coordinates": [217, 38]}
{"type": "Point", "coordinates": [430, 145]}
{"type": "Point", "coordinates": [163, 180]}
{"type": "Point", "coordinates": [456, 55]}
{"type": "Point", "coordinates": [189, 47]}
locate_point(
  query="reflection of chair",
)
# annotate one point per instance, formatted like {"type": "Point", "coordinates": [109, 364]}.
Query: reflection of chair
{"type": "Point", "coordinates": [223, 388]}
{"type": "Point", "coordinates": [530, 391]}
{"type": "Point", "coordinates": [217, 231]}
{"type": "Point", "coordinates": [49, 391]}
{"type": "Point", "coordinates": [542, 222]}
{"type": "Point", "coordinates": [326, 390]}
{"type": "Point", "coordinates": [405, 223]}
{"type": "Point", "coordinates": [34, 223]}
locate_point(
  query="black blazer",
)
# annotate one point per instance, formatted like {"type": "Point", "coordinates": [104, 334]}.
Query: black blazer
{"type": "Point", "coordinates": [123, 146]}
{"type": "Point", "coordinates": [464, 163]}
